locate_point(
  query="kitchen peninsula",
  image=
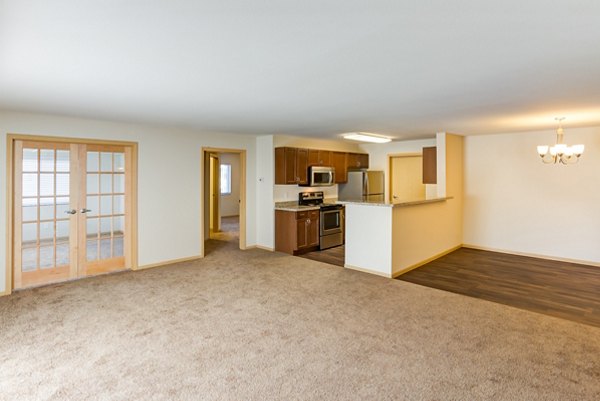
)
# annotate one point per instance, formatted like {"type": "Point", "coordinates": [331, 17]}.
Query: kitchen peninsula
{"type": "Point", "coordinates": [390, 239]}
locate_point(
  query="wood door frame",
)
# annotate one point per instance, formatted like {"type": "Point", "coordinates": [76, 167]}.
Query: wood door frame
{"type": "Point", "coordinates": [215, 191]}
{"type": "Point", "coordinates": [10, 145]}
{"type": "Point", "coordinates": [390, 158]}
{"type": "Point", "coordinates": [205, 151]}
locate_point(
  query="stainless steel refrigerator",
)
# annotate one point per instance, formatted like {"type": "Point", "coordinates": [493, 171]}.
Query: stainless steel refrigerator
{"type": "Point", "coordinates": [363, 185]}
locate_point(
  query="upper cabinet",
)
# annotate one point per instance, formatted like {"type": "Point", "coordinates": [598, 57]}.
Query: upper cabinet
{"type": "Point", "coordinates": [430, 165]}
{"type": "Point", "coordinates": [291, 164]}
{"type": "Point", "coordinates": [357, 161]}
{"type": "Point", "coordinates": [339, 161]}
{"type": "Point", "coordinates": [285, 166]}
{"type": "Point", "coordinates": [318, 157]}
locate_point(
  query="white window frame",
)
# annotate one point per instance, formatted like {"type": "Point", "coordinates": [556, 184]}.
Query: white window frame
{"type": "Point", "coordinates": [227, 180]}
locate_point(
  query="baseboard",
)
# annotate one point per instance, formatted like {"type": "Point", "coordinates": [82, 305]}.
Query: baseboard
{"type": "Point", "coordinates": [361, 269]}
{"type": "Point", "coordinates": [167, 262]}
{"type": "Point", "coordinates": [424, 262]}
{"type": "Point", "coordinates": [533, 255]}
{"type": "Point", "coordinates": [264, 248]}
{"type": "Point", "coordinates": [5, 293]}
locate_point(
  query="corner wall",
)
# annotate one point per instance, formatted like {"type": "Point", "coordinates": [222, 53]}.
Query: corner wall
{"type": "Point", "coordinates": [515, 203]}
{"type": "Point", "coordinates": [169, 165]}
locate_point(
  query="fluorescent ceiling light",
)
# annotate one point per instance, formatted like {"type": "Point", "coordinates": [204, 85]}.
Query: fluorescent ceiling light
{"type": "Point", "coordinates": [366, 137]}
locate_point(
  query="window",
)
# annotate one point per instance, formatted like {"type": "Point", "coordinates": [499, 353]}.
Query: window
{"type": "Point", "coordinates": [225, 179]}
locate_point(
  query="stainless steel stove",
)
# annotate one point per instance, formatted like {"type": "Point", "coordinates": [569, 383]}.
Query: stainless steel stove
{"type": "Point", "coordinates": [331, 219]}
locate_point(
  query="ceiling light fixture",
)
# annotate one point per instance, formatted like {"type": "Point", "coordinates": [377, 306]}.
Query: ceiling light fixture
{"type": "Point", "coordinates": [366, 137]}
{"type": "Point", "coordinates": [560, 152]}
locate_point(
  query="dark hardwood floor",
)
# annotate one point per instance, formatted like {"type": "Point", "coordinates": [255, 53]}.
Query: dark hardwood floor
{"type": "Point", "coordinates": [566, 290]}
{"type": "Point", "coordinates": [333, 256]}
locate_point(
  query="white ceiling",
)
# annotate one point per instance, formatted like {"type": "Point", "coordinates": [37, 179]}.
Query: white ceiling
{"type": "Point", "coordinates": [306, 67]}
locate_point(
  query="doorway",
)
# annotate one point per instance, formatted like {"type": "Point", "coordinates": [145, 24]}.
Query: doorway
{"type": "Point", "coordinates": [71, 209]}
{"type": "Point", "coordinates": [406, 177]}
{"type": "Point", "coordinates": [224, 188]}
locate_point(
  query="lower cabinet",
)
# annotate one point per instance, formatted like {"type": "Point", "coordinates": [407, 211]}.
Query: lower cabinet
{"type": "Point", "coordinates": [296, 232]}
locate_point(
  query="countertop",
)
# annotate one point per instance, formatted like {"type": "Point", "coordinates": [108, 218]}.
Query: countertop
{"type": "Point", "coordinates": [394, 204]}
{"type": "Point", "coordinates": [292, 206]}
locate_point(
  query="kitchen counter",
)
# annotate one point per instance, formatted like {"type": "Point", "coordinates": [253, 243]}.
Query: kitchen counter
{"type": "Point", "coordinates": [393, 204]}
{"type": "Point", "coordinates": [293, 206]}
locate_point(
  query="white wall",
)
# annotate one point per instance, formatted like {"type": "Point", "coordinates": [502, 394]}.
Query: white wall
{"type": "Point", "coordinates": [230, 203]}
{"type": "Point", "coordinates": [515, 203]}
{"type": "Point", "coordinates": [169, 207]}
{"type": "Point", "coordinates": [378, 156]}
{"type": "Point", "coordinates": [315, 143]}
{"type": "Point", "coordinates": [283, 193]}
{"type": "Point", "coordinates": [265, 180]}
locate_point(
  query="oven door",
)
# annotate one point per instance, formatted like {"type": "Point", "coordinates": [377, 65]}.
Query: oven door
{"type": "Point", "coordinates": [331, 221]}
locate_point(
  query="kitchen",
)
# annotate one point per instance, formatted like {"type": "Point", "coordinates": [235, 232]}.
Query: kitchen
{"type": "Point", "coordinates": [381, 234]}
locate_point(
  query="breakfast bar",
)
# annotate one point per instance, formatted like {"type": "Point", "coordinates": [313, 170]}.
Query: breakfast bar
{"type": "Point", "coordinates": [389, 239]}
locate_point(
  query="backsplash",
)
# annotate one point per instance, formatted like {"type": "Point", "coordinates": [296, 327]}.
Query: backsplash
{"type": "Point", "coordinates": [282, 193]}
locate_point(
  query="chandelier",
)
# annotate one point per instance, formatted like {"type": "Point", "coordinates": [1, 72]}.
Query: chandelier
{"type": "Point", "coordinates": [560, 152]}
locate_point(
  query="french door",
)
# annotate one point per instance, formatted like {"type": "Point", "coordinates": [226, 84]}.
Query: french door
{"type": "Point", "coordinates": [72, 208]}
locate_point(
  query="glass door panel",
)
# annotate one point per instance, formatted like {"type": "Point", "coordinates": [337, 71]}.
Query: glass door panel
{"type": "Point", "coordinates": [104, 209]}
{"type": "Point", "coordinates": [42, 248]}
{"type": "Point", "coordinates": [70, 211]}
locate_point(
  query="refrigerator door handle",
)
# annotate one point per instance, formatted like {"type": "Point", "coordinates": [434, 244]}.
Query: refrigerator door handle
{"type": "Point", "coordinates": [366, 184]}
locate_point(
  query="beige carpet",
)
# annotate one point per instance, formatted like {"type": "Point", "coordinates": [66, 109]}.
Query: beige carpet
{"type": "Point", "coordinates": [256, 325]}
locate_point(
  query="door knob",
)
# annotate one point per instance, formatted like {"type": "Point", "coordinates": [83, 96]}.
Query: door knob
{"type": "Point", "coordinates": [85, 210]}
{"type": "Point", "coordinates": [72, 211]}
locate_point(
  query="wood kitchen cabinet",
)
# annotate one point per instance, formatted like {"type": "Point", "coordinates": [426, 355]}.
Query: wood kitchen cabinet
{"type": "Point", "coordinates": [302, 166]}
{"type": "Point", "coordinates": [430, 165]}
{"type": "Point", "coordinates": [296, 232]}
{"type": "Point", "coordinates": [317, 157]}
{"type": "Point", "coordinates": [339, 162]}
{"type": "Point", "coordinates": [358, 161]}
{"type": "Point", "coordinates": [291, 165]}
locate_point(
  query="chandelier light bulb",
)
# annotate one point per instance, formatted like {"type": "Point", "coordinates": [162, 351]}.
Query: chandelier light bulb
{"type": "Point", "coordinates": [560, 152]}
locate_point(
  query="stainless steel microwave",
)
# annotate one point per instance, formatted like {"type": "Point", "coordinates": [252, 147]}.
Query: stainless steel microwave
{"type": "Point", "coordinates": [321, 176]}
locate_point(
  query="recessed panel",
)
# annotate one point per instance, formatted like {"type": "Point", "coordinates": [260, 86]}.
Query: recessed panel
{"type": "Point", "coordinates": [62, 184]}
{"type": "Point", "coordinates": [119, 183]}
{"type": "Point", "coordinates": [47, 160]}
{"type": "Point", "coordinates": [93, 161]}
{"type": "Point", "coordinates": [46, 257]}
{"type": "Point", "coordinates": [63, 161]}
{"type": "Point", "coordinates": [46, 184]}
{"type": "Point", "coordinates": [28, 259]}
{"type": "Point", "coordinates": [92, 250]}
{"type": "Point", "coordinates": [30, 160]}
{"type": "Point", "coordinates": [119, 162]}
{"type": "Point", "coordinates": [106, 161]}
{"type": "Point", "coordinates": [30, 184]}
{"type": "Point", "coordinates": [93, 184]}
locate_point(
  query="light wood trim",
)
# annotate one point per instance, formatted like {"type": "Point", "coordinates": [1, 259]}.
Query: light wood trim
{"type": "Point", "coordinates": [363, 270]}
{"type": "Point", "coordinates": [11, 140]}
{"type": "Point", "coordinates": [264, 248]}
{"type": "Point", "coordinates": [169, 262]}
{"type": "Point", "coordinates": [45, 276]}
{"type": "Point", "coordinates": [133, 203]}
{"type": "Point", "coordinates": [9, 216]}
{"type": "Point", "coordinates": [65, 139]}
{"type": "Point", "coordinates": [77, 163]}
{"type": "Point", "coordinates": [424, 262]}
{"type": "Point", "coordinates": [105, 266]}
{"type": "Point", "coordinates": [16, 218]}
{"type": "Point", "coordinates": [533, 255]}
{"type": "Point", "coordinates": [205, 151]}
